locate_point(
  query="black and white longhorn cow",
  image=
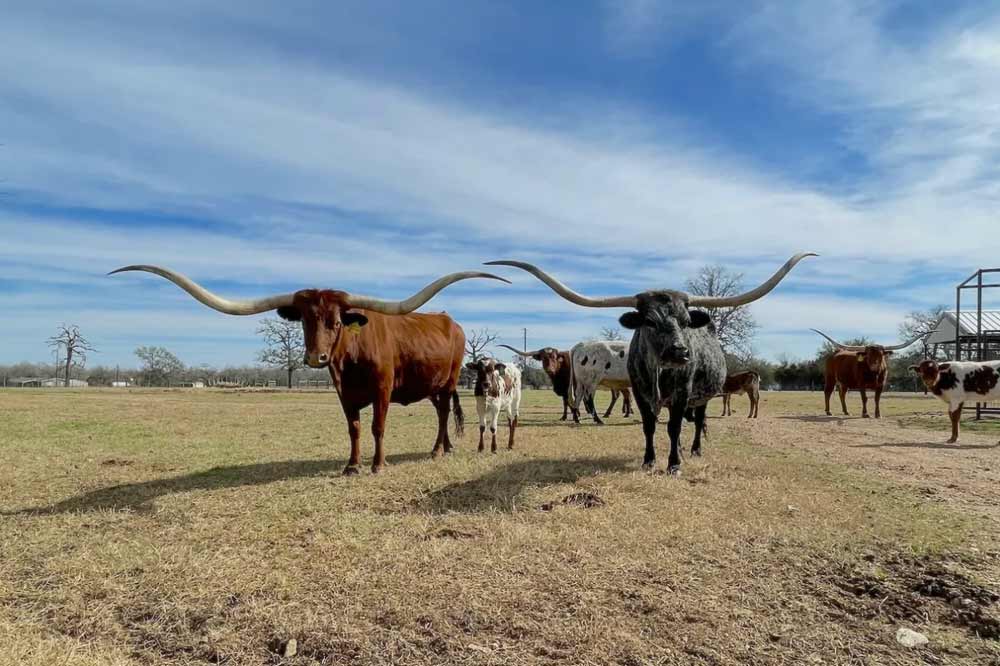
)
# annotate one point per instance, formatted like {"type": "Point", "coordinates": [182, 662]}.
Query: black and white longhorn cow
{"type": "Point", "coordinates": [675, 358]}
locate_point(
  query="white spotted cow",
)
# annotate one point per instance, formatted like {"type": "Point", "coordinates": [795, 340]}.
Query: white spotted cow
{"type": "Point", "coordinates": [498, 388]}
{"type": "Point", "coordinates": [958, 382]}
{"type": "Point", "coordinates": [598, 364]}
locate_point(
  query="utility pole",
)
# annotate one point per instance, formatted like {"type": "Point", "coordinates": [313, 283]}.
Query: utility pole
{"type": "Point", "coordinates": [525, 347]}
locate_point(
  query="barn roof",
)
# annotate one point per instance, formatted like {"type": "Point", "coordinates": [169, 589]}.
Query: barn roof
{"type": "Point", "coordinates": [944, 331]}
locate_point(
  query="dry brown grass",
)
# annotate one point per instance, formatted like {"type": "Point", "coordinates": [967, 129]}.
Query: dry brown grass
{"type": "Point", "coordinates": [211, 527]}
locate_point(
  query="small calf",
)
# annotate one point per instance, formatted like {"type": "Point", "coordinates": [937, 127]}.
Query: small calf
{"type": "Point", "coordinates": [498, 387]}
{"type": "Point", "coordinates": [739, 383]}
{"type": "Point", "coordinates": [959, 381]}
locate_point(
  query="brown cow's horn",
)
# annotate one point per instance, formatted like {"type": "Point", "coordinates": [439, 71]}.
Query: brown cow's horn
{"type": "Point", "coordinates": [567, 293]}
{"type": "Point", "coordinates": [838, 345]}
{"type": "Point", "coordinates": [904, 345]}
{"type": "Point", "coordinates": [419, 298]}
{"type": "Point", "coordinates": [753, 295]}
{"type": "Point", "coordinates": [213, 301]}
{"type": "Point", "coordinates": [522, 353]}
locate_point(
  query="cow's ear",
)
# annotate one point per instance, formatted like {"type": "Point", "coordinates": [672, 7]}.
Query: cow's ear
{"type": "Point", "coordinates": [470, 366]}
{"type": "Point", "coordinates": [699, 318]}
{"type": "Point", "coordinates": [537, 357]}
{"type": "Point", "coordinates": [290, 313]}
{"type": "Point", "coordinates": [500, 366]}
{"type": "Point", "coordinates": [632, 320]}
{"type": "Point", "coordinates": [915, 368]}
{"type": "Point", "coordinates": [353, 318]}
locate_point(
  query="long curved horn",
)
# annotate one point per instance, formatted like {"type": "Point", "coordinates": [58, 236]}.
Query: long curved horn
{"type": "Point", "coordinates": [754, 294]}
{"type": "Point", "coordinates": [904, 345]}
{"type": "Point", "coordinates": [838, 345]}
{"type": "Point", "coordinates": [413, 302]}
{"type": "Point", "coordinates": [527, 354]}
{"type": "Point", "coordinates": [567, 293]}
{"type": "Point", "coordinates": [241, 307]}
{"type": "Point", "coordinates": [259, 305]}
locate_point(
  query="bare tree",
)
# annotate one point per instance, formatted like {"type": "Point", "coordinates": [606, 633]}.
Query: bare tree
{"type": "Point", "coordinates": [611, 333]}
{"type": "Point", "coordinates": [735, 327]}
{"type": "Point", "coordinates": [920, 323]}
{"type": "Point", "coordinates": [477, 341]}
{"type": "Point", "coordinates": [285, 346]}
{"type": "Point", "coordinates": [71, 349]}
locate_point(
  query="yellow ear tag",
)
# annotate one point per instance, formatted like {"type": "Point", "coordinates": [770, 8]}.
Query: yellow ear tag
{"type": "Point", "coordinates": [354, 327]}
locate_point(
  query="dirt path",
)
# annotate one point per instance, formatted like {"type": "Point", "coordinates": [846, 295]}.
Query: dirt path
{"type": "Point", "coordinates": [966, 474]}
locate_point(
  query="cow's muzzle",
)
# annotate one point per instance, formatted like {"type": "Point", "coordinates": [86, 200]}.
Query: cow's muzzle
{"type": "Point", "coordinates": [677, 355]}
{"type": "Point", "coordinates": [317, 360]}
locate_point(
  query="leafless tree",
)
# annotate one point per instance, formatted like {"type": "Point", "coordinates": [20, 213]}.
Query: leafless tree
{"type": "Point", "coordinates": [611, 333]}
{"type": "Point", "coordinates": [735, 327]}
{"type": "Point", "coordinates": [921, 322]}
{"type": "Point", "coordinates": [285, 346]}
{"type": "Point", "coordinates": [71, 349]}
{"type": "Point", "coordinates": [477, 341]}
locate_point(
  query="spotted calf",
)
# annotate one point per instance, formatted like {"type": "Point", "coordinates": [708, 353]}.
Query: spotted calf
{"type": "Point", "coordinates": [957, 382]}
{"type": "Point", "coordinates": [498, 388]}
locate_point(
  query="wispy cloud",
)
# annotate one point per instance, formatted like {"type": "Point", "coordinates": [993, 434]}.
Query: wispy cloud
{"type": "Point", "coordinates": [290, 164]}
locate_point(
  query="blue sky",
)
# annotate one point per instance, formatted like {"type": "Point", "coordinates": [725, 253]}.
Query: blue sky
{"type": "Point", "coordinates": [371, 146]}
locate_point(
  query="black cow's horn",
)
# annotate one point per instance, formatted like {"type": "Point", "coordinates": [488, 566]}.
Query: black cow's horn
{"type": "Point", "coordinates": [752, 295]}
{"type": "Point", "coordinates": [256, 306]}
{"type": "Point", "coordinates": [567, 293]}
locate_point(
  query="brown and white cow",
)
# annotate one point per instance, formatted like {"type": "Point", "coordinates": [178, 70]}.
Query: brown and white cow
{"type": "Point", "coordinates": [377, 352]}
{"type": "Point", "coordinates": [498, 389]}
{"type": "Point", "coordinates": [958, 382]}
{"type": "Point", "coordinates": [747, 382]}
{"type": "Point", "coordinates": [858, 368]}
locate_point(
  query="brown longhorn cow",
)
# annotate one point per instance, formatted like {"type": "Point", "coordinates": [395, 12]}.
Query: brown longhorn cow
{"type": "Point", "coordinates": [377, 352]}
{"type": "Point", "coordinates": [860, 368]}
{"type": "Point", "coordinates": [739, 383]}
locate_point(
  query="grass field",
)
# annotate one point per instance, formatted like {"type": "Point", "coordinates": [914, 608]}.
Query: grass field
{"type": "Point", "coordinates": [189, 527]}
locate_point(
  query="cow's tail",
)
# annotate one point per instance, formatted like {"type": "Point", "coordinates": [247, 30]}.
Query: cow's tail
{"type": "Point", "coordinates": [456, 407]}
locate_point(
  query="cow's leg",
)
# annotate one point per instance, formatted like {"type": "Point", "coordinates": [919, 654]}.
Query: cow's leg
{"type": "Point", "coordinates": [513, 411]}
{"type": "Point", "coordinates": [380, 410]}
{"type": "Point", "coordinates": [649, 415]}
{"type": "Point", "coordinates": [441, 404]}
{"type": "Point", "coordinates": [674, 424]}
{"type": "Point", "coordinates": [699, 429]}
{"type": "Point", "coordinates": [827, 392]}
{"type": "Point", "coordinates": [512, 425]}
{"type": "Point", "coordinates": [626, 403]}
{"type": "Point", "coordinates": [494, 417]}
{"type": "Point", "coordinates": [843, 398]}
{"type": "Point", "coordinates": [565, 400]}
{"type": "Point", "coordinates": [956, 417]}
{"type": "Point", "coordinates": [614, 399]}
{"type": "Point", "coordinates": [353, 415]}
{"type": "Point", "coordinates": [481, 412]}
{"type": "Point", "coordinates": [878, 400]}
{"type": "Point", "coordinates": [864, 403]}
{"type": "Point", "coordinates": [755, 404]}
{"type": "Point", "coordinates": [592, 408]}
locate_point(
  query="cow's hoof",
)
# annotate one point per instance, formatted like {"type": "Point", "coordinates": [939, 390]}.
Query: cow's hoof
{"type": "Point", "coordinates": [436, 453]}
{"type": "Point", "coordinates": [649, 466]}
{"type": "Point", "coordinates": [865, 416]}
{"type": "Point", "coordinates": [952, 441]}
{"type": "Point", "coordinates": [674, 470]}
{"type": "Point", "coordinates": [696, 453]}
{"type": "Point", "coordinates": [352, 470]}
{"type": "Point", "coordinates": [376, 469]}
{"type": "Point", "coordinates": [481, 449]}
{"type": "Point", "coordinates": [829, 414]}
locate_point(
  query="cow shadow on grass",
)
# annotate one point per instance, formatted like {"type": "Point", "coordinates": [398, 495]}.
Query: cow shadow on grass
{"type": "Point", "coordinates": [139, 496]}
{"type": "Point", "coordinates": [569, 424]}
{"type": "Point", "coordinates": [928, 445]}
{"type": "Point", "coordinates": [501, 488]}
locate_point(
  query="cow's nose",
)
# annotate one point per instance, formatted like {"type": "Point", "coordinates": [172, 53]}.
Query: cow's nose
{"type": "Point", "coordinates": [679, 351]}
{"type": "Point", "coordinates": [324, 358]}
